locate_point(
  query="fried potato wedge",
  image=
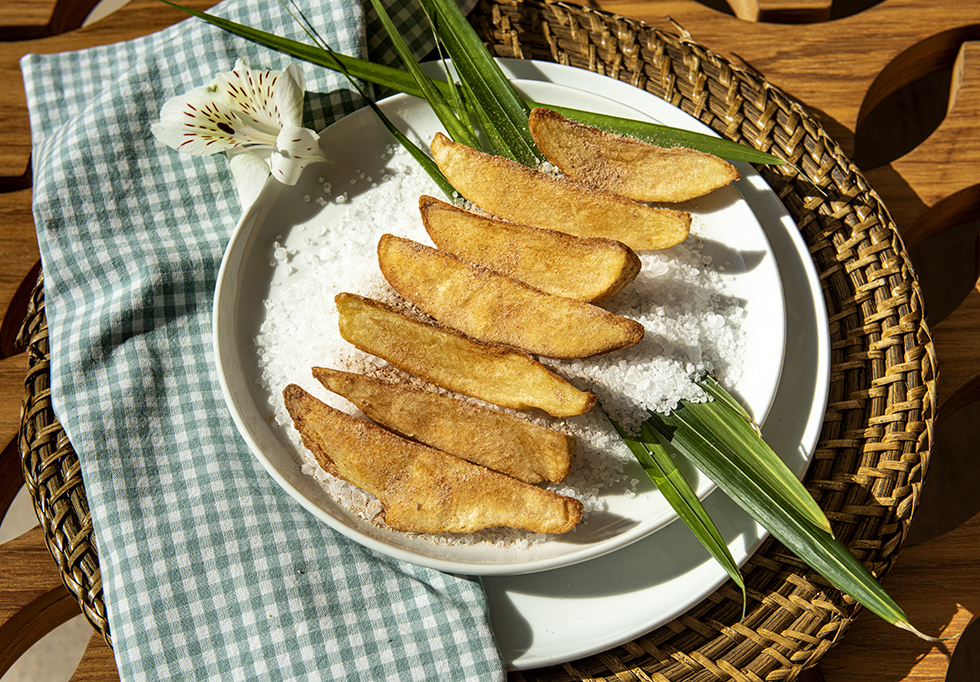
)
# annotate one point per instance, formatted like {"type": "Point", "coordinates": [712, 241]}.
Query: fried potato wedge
{"type": "Point", "coordinates": [625, 166]}
{"type": "Point", "coordinates": [421, 489]}
{"type": "Point", "coordinates": [554, 262]}
{"type": "Point", "coordinates": [495, 308]}
{"type": "Point", "coordinates": [498, 374]}
{"type": "Point", "coordinates": [494, 439]}
{"type": "Point", "coordinates": [531, 197]}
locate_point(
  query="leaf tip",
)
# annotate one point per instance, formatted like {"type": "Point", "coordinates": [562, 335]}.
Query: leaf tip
{"type": "Point", "coordinates": [905, 625]}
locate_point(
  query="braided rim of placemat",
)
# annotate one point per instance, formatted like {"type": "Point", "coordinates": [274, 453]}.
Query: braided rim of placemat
{"type": "Point", "coordinates": [874, 446]}
{"type": "Point", "coordinates": [53, 474]}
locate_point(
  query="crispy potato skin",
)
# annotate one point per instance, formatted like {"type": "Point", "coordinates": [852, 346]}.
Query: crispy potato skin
{"type": "Point", "coordinates": [528, 196]}
{"type": "Point", "coordinates": [496, 440]}
{"type": "Point", "coordinates": [498, 374]}
{"type": "Point", "coordinates": [554, 262]}
{"type": "Point", "coordinates": [625, 166]}
{"type": "Point", "coordinates": [422, 489]}
{"type": "Point", "coordinates": [495, 308]}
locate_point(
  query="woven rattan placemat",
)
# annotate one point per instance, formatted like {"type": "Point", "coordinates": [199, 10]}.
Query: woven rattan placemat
{"type": "Point", "coordinates": [874, 446]}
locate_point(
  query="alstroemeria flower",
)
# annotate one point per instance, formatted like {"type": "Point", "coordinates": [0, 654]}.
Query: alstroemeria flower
{"type": "Point", "coordinates": [254, 116]}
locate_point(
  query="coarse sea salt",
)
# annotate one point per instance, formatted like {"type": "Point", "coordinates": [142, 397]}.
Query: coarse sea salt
{"type": "Point", "coordinates": [691, 327]}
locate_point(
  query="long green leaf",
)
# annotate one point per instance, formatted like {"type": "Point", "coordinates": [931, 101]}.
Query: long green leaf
{"type": "Point", "coordinates": [401, 81]}
{"type": "Point", "coordinates": [423, 159]}
{"type": "Point", "coordinates": [686, 430]}
{"type": "Point", "coordinates": [740, 440]}
{"type": "Point", "coordinates": [455, 89]}
{"type": "Point", "coordinates": [496, 143]}
{"type": "Point", "coordinates": [662, 470]}
{"type": "Point", "coordinates": [818, 549]}
{"type": "Point", "coordinates": [666, 136]}
{"type": "Point", "coordinates": [456, 129]}
{"type": "Point", "coordinates": [492, 90]}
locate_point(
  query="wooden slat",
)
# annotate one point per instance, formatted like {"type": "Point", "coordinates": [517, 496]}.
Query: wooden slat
{"type": "Point", "coordinates": [11, 479]}
{"type": "Point", "coordinates": [782, 11]}
{"type": "Point", "coordinates": [32, 19]}
{"type": "Point", "coordinates": [937, 584]}
{"type": "Point", "coordinates": [18, 254]}
{"type": "Point", "coordinates": [139, 17]}
{"type": "Point", "coordinates": [33, 598]}
{"type": "Point", "coordinates": [98, 664]}
{"type": "Point", "coordinates": [939, 168]}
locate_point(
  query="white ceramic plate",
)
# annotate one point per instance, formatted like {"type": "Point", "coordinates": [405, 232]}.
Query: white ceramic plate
{"type": "Point", "coordinates": [724, 220]}
{"type": "Point", "coordinates": [564, 614]}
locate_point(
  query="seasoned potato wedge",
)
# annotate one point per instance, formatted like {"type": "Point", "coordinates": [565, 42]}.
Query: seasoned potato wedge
{"type": "Point", "coordinates": [554, 262]}
{"type": "Point", "coordinates": [635, 169]}
{"type": "Point", "coordinates": [421, 489]}
{"type": "Point", "coordinates": [498, 374]}
{"type": "Point", "coordinates": [492, 307]}
{"type": "Point", "coordinates": [531, 197]}
{"type": "Point", "coordinates": [491, 438]}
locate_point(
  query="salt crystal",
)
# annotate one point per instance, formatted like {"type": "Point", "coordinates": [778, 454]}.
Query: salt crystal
{"type": "Point", "coordinates": [691, 328]}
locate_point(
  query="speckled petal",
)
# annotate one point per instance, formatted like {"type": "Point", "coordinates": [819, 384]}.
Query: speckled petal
{"type": "Point", "coordinates": [255, 93]}
{"type": "Point", "coordinates": [196, 124]}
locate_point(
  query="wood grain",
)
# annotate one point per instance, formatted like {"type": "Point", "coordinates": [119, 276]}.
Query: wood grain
{"type": "Point", "coordinates": [782, 11]}
{"type": "Point", "coordinates": [138, 18]}
{"type": "Point", "coordinates": [98, 664]}
{"type": "Point", "coordinates": [30, 19]}
{"type": "Point", "coordinates": [33, 598]}
{"type": "Point", "coordinates": [841, 70]}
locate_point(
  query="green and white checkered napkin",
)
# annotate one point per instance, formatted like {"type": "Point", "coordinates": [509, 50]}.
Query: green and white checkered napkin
{"type": "Point", "coordinates": [210, 571]}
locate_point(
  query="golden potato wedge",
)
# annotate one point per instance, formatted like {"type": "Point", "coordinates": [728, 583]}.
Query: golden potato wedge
{"type": "Point", "coordinates": [421, 489]}
{"type": "Point", "coordinates": [492, 307]}
{"type": "Point", "coordinates": [622, 165]}
{"type": "Point", "coordinates": [554, 262]}
{"type": "Point", "coordinates": [498, 374]}
{"type": "Point", "coordinates": [531, 197]}
{"type": "Point", "coordinates": [496, 440]}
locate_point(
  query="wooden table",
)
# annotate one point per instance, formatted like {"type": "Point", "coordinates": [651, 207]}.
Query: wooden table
{"type": "Point", "coordinates": [898, 86]}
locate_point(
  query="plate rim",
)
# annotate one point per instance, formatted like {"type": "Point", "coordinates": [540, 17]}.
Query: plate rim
{"type": "Point", "coordinates": [818, 407]}
{"type": "Point", "coordinates": [235, 246]}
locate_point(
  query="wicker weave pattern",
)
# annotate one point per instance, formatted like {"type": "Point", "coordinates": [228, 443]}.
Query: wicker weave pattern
{"type": "Point", "coordinates": [53, 475]}
{"type": "Point", "coordinates": [874, 446]}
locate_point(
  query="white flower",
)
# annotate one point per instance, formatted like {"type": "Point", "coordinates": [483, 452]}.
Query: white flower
{"type": "Point", "coordinates": [255, 116]}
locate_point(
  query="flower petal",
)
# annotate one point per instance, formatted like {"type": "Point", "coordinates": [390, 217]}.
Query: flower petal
{"type": "Point", "coordinates": [290, 90]}
{"type": "Point", "coordinates": [197, 124]}
{"type": "Point", "coordinates": [296, 148]}
{"type": "Point", "coordinates": [250, 173]}
{"type": "Point", "coordinates": [254, 94]}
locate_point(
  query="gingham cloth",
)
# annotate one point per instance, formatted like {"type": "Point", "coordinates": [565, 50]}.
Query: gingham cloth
{"type": "Point", "coordinates": [210, 571]}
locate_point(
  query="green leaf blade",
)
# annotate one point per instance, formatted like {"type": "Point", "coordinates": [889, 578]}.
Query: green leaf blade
{"type": "Point", "coordinates": [731, 424]}
{"type": "Point", "coordinates": [456, 129]}
{"type": "Point", "coordinates": [402, 81]}
{"type": "Point", "coordinates": [667, 136]}
{"type": "Point", "coordinates": [660, 467]}
{"type": "Point", "coordinates": [818, 549]}
{"type": "Point", "coordinates": [492, 90]}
